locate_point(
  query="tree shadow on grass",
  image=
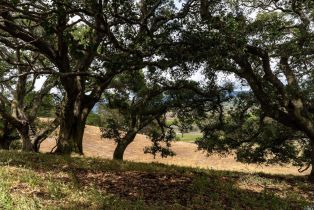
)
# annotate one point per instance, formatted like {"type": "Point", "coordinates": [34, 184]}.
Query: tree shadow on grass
{"type": "Point", "coordinates": [142, 185]}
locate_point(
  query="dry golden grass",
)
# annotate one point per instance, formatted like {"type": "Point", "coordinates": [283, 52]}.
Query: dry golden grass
{"type": "Point", "coordinates": [187, 155]}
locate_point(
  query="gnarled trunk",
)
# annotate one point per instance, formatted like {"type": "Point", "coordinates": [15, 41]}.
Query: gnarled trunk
{"type": "Point", "coordinates": [27, 145]}
{"type": "Point", "coordinates": [71, 136]}
{"type": "Point", "coordinates": [122, 145]}
{"type": "Point", "coordinates": [72, 126]}
{"type": "Point", "coordinates": [43, 135]}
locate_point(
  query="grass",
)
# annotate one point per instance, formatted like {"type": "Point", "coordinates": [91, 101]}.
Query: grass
{"type": "Point", "coordinates": [38, 181]}
{"type": "Point", "coordinates": [189, 137]}
{"type": "Point", "coordinates": [170, 121]}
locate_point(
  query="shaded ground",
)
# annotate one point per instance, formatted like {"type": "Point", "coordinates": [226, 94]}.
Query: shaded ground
{"type": "Point", "coordinates": [37, 181]}
{"type": "Point", "coordinates": [187, 155]}
{"type": "Point", "coordinates": [132, 185]}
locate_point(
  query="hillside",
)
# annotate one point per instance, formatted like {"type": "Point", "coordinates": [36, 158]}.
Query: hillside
{"type": "Point", "coordinates": [187, 155]}
{"type": "Point", "coordinates": [38, 181]}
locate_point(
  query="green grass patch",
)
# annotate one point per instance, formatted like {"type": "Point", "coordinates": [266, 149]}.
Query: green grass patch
{"type": "Point", "coordinates": [189, 137]}
{"type": "Point", "coordinates": [170, 121]}
{"type": "Point", "coordinates": [44, 181]}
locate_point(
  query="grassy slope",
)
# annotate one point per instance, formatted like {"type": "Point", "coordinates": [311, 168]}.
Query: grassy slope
{"type": "Point", "coordinates": [37, 181]}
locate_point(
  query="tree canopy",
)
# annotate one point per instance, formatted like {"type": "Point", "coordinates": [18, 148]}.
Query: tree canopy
{"type": "Point", "coordinates": [271, 52]}
{"type": "Point", "coordinates": [136, 54]}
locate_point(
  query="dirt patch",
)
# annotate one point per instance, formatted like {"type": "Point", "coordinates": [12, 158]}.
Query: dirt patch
{"type": "Point", "coordinates": [23, 188]}
{"type": "Point", "coordinates": [151, 187]}
{"type": "Point", "coordinates": [186, 154]}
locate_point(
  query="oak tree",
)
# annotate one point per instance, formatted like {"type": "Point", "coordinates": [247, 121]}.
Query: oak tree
{"type": "Point", "coordinates": [269, 45]}
{"type": "Point", "coordinates": [87, 43]}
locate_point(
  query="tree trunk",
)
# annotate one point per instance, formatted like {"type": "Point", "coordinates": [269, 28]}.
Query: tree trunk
{"type": "Point", "coordinates": [122, 145]}
{"type": "Point", "coordinates": [4, 142]}
{"type": "Point", "coordinates": [27, 145]}
{"type": "Point", "coordinates": [5, 136]}
{"type": "Point", "coordinates": [71, 136]}
{"type": "Point", "coordinates": [309, 130]}
{"type": "Point", "coordinates": [119, 151]}
{"type": "Point", "coordinates": [44, 134]}
{"type": "Point", "coordinates": [310, 133]}
{"type": "Point", "coordinates": [311, 176]}
{"type": "Point", "coordinates": [72, 126]}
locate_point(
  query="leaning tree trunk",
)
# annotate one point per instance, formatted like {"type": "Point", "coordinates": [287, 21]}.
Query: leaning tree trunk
{"type": "Point", "coordinates": [122, 145]}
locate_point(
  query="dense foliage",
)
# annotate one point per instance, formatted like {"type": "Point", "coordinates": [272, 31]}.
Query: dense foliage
{"type": "Point", "coordinates": [138, 57]}
{"type": "Point", "coordinates": [243, 128]}
{"type": "Point", "coordinates": [269, 47]}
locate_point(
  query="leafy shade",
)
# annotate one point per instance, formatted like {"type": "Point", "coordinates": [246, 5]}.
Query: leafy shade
{"type": "Point", "coordinates": [244, 128]}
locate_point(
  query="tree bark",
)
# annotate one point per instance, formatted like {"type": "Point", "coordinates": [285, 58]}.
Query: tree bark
{"type": "Point", "coordinates": [5, 136]}
{"type": "Point", "coordinates": [309, 131]}
{"type": "Point", "coordinates": [43, 135]}
{"type": "Point", "coordinates": [307, 126]}
{"type": "Point", "coordinates": [27, 145]}
{"type": "Point", "coordinates": [4, 142]}
{"type": "Point", "coordinates": [72, 126]}
{"type": "Point", "coordinates": [122, 145]}
{"type": "Point", "coordinates": [311, 176]}
{"type": "Point", "coordinates": [70, 138]}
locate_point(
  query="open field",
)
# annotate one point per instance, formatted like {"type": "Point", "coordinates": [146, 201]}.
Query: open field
{"type": "Point", "coordinates": [189, 137]}
{"type": "Point", "coordinates": [187, 155]}
{"type": "Point", "coordinates": [36, 181]}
